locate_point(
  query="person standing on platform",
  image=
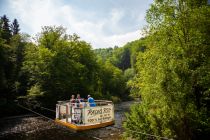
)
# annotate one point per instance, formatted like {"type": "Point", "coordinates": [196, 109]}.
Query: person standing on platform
{"type": "Point", "coordinates": [72, 100]}
{"type": "Point", "coordinates": [79, 100]}
{"type": "Point", "coordinates": [91, 101]}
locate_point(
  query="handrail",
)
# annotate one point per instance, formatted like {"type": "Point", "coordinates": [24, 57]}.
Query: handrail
{"type": "Point", "coordinates": [86, 100]}
{"type": "Point", "coordinates": [98, 102]}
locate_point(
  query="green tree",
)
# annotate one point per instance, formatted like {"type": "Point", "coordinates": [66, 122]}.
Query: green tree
{"type": "Point", "coordinates": [6, 57]}
{"type": "Point", "coordinates": [18, 45]}
{"type": "Point", "coordinates": [173, 73]}
{"type": "Point", "coordinates": [15, 27]}
{"type": "Point", "coordinates": [136, 47]}
{"type": "Point", "coordinates": [5, 27]}
{"type": "Point", "coordinates": [2, 61]}
{"type": "Point", "coordinates": [104, 53]}
{"type": "Point", "coordinates": [11, 54]}
{"type": "Point", "coordinates": [61, 65]}
{"type": "Point", "coordinates": [113, 81]}
{"type": "Point", "coordinates": [121, 58]}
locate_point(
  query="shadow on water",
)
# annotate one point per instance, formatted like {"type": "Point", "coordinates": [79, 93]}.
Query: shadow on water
{"type": "Point", "coordinates": [32, 127]}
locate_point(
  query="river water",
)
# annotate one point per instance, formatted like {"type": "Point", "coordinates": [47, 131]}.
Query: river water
{"type": "Point", "coordinates": [32, 127]}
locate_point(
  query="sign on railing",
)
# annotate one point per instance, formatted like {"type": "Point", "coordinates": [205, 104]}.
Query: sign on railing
{"type": "Point", "coordinates": [76, 114]}
{"type": "Point", "coordinates": [98, 114]}
{"type": "Point", "coordinates": [62, 109]}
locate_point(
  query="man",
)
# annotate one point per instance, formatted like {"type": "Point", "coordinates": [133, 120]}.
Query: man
{"type": "Point", "coordinates": [91, 101]}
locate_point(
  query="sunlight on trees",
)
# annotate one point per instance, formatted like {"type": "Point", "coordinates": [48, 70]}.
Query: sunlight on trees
{"type": "Point", "coordinates": [173, 72]}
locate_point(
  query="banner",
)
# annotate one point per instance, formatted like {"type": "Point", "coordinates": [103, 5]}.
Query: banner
{"type": "Point", "coordinates": [98, 114]}
{"type": "Point", "coordinates": [62, 109]}
{"type": "Point", "coordinates": [76, 114]}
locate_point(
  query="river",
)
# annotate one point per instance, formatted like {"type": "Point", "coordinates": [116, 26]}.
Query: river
{"type": "Point", "coordinates": [32, 127]}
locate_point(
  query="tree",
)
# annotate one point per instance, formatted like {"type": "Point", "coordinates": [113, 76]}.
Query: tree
{"type": "Point", "coordinates": [5, 51]}
{"type": "Point", "coordinates": [11, 49]}
{"type": "Point", "coordinates": [60, 65]}
{"type": "Point", "coordinates": [18, 45]}
{"type": "Point", "coordinates": [173, 73]}
{"type": "Point", "coordinates": [15, 27]}
{"type": "Point", "coordinates": [104, 53]}
{"type": "Point", "coordinates": [6, 32]}
{"type": "Point", "coordinates": [50, 35]}
{"type": "Point", "coordinates": [121, 58]}
{"type": "Point", "coordinates": [2, 61]}
{"type": "Point", "coordinates": [112, 79]}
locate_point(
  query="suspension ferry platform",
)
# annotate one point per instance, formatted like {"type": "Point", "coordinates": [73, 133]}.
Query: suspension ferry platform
{"type": "Point", "coordinates": [83, 116]}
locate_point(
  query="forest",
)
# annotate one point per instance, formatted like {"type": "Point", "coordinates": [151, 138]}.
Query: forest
{"type": "Point", "coordinates": [56, 65]}
{"type": "Point", "coordinates": [168, 69]}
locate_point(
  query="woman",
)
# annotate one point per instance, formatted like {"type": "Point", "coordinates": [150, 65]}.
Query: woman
{"type": "Point", "coordinates": [72, 100]}
{"type": "Point", "coordinates": [79, 101]}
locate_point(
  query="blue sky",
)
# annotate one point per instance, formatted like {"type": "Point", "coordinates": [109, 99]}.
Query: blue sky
{"type": "Point", "coordinates": [102, 23]}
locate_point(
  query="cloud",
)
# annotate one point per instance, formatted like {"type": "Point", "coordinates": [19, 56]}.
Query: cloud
{"type": "Point", "coordinates": [101, 32]}
{"type": "Point", "coordinates": [117, 40]}
{"type": "Point", "coordinates": [122, 39]}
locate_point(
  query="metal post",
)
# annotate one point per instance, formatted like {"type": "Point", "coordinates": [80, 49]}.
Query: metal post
{"type": "Point", "coordinates": [83, 117]}
{"type": "Point", "coordinates": [70, 108]}
{"type": "Point", "coordinates": [101, 112]}
{"type": "Point", "coordinates": [57, 111]}
{"type": "Point", "coordinates": [113, 111]}
{"type": "Point", "coordinates": [67, 112]}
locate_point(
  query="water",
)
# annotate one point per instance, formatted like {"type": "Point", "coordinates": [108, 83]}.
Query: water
{"type": "Point", "coordinates": [33, 127]}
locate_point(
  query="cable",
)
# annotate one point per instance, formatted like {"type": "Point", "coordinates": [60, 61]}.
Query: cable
{"type": "Point", "coordinates": [35, 112]}
{"type": "Point", "coordinates": [47, 109]}
{"type": "Point", "coordinates": [43, 107]}
{"type": "Point", "coordinates": [96, 138]}
{"type": "Point", "coordinates": [165, 138]}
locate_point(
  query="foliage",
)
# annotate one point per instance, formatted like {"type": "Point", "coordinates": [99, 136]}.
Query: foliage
{"type": "Point", "coordinates": [122, 57]}
{"type": "Point", "coordinates": [5, 27]}
{"type": "Point", "coordinates": [113, 80]}
{"type": "Point", "coordinates": [129, 74]}
{"type": "Point", "coordinates": [35, 91]}
{"type": "Point", "coordinates": [11, 54]}
{"type": "Point", "coordinates": [60, 64]}
{"type": "Point", "coordinates": [118, 58]}
{"type": "Point", "coordinates": [54, 67]}
{"type": "Point", "coordinates": [173, 73]}
{"type": "Point", "coordinates": [104, 53]}
{"type": "Point", "coordinates": [15, 27]}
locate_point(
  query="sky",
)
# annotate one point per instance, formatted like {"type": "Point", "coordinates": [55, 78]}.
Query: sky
{"type": "Point", "coordinates": [102, 23]}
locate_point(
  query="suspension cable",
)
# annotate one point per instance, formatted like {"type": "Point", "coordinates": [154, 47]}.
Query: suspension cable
{"type": "Point", "coordinates": [35, 112]}
{"type": "Point", "coordinates": [42, 107]}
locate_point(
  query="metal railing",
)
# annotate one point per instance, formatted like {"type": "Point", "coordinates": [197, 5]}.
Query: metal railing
{"type": "Point", "coordinates": [85, 103]}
